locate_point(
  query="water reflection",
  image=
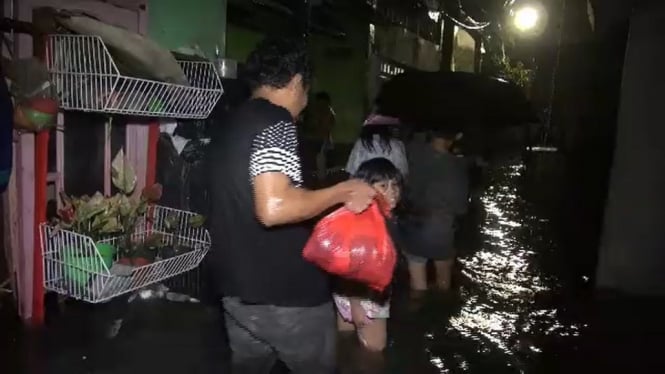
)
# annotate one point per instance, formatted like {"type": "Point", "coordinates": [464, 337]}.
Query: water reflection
{"type": "Point", "coordinates": [501, 323]}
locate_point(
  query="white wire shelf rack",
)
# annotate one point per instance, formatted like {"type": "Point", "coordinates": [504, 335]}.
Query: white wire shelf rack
{"type": "Point", "coordinates": [74, 267]}
{"type": "Point", "coordinates": [87, 79]}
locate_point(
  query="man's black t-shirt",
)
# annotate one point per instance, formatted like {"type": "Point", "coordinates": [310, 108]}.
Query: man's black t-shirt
{"type": "Point", "coordinates": [258, 264]}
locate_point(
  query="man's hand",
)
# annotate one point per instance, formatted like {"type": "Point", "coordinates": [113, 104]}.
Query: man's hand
{"type": "Point", "coordinates": [359, 195]}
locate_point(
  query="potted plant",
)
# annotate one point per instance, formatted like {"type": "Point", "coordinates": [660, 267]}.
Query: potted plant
{"type": "Point", "coordinates": [89, 216]}
{"type": "Point", "coordinates": [134, 251]}
{"type": "Point", "coordinates": [101, 217]}
{"type": "Point", "coordinates": [178, 228]}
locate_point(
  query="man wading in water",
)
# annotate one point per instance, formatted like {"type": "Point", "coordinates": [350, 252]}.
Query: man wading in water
{"type": "Point", "coordinates": [439, 195]}
{"type": "Point", "coordinates": [277, 305]}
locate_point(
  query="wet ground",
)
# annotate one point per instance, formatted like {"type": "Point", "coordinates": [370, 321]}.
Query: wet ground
{"type": "Point", "coordinates": [523, 304]}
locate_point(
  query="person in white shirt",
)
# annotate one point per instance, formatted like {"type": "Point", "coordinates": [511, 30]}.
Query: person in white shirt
{"type": "Point", "coordinates": [379, 138]}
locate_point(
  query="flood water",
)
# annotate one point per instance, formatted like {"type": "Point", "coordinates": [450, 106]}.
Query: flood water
{"type": "Point", "coordinates": [517, 308]}
{"type": "Point", "coordinates": [501, 318]}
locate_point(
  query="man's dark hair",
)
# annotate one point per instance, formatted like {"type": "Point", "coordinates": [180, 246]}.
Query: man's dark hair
{"type": "Point", "coordinates": [323, 96]}
{"type": "Point", "coordinates": [275, 61]}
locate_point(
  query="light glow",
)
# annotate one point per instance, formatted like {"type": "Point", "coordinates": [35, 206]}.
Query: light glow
{"type": "Point", "coordinates": [526, 18]}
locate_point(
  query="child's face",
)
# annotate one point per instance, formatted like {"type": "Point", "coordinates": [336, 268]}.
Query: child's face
{"type": "Point", "coordinates": [390, 190]}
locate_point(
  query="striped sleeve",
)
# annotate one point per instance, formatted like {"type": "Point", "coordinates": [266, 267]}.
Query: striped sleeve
{"type": "Point", "coordinates": [275, 149]}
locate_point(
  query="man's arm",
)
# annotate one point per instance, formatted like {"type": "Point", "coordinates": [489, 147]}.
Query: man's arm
{"type": "Point", "coordinates": [273, 168]}
{"type": "Point", "coordinates": [277, 201]}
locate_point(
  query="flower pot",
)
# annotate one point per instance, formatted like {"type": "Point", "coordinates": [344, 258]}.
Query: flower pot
{"type": "Point", "coordinates": [44, 105]}
{"type": "Point", "coordinates": [36, 114]}
{"type": "Point", "coordinates": [140, 261]}
{"type": "Point", "coordinates": [39, 120]}
{"type": "Point", "coordinates": [79, 268]}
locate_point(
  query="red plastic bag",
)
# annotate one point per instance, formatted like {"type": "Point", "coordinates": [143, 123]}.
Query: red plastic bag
{"type": "Point", "coordinates": [354, 246]}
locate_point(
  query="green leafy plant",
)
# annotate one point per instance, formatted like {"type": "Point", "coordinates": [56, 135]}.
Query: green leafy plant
{"type": "Point", "coordinates": [514, 71]}
{"type": "Point", "coordinates": [178, 228]}
{"type": "Point", "coordinates": [88, 215]}
{"type": "Point", "coordinates": [102, 216]}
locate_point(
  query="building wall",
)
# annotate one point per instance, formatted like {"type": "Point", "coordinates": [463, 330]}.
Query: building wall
{"type": "Point", "coordinates": [340, 68]}
{"type": "Point", "coordinates": [407, 48]}
{"type": "Point", "coordinates": [22, 194]}
{"type": "Point", "coordinates": [343, 68]}
{"type": "Point", "coordinates": [240, 41]}
{"type": "Point", "coordinates": [463, 51]}
{"type": "Point", "coordinates": [194, 23]}
{"type": "Point", "coordinates": [631, 257]}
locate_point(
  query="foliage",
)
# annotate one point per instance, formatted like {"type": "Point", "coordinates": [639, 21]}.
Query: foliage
{"type": "Point", "coordinates": [100, 216]}
{"type": "Point", "coordinates": [514, 71]}
{"type": "Point", "coordinates": [176, 226]}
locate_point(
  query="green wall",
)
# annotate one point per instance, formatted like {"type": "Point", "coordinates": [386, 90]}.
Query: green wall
{"type": "Point", "coordinates": [180, 23]}
{"type": "Point", "coordinates": [240, 42]}
{"type": "Point", "coordinates": [340, 68]}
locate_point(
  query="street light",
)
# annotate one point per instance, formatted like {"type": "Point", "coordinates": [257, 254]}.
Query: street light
{"type": "Point", "coordinates": [527, 18]}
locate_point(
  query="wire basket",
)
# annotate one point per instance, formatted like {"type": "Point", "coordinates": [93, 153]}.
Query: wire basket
{"type": "Point", "coordinates": [76, 266]}
{"type": "Point", "coordinates": [87, 79]}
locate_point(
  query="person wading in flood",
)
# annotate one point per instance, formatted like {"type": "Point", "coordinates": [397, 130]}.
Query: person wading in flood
{"type": "Point", "coordinates": [359, 308]}
{"type": "Point", "coordinates": [379, 138]}
{"type": "Point", "coordinates": [438, 184]}
{"type": "Point", "coordinates": [277, 306]}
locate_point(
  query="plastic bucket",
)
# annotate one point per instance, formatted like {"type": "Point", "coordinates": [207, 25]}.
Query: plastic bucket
{"type": "Point", "coordinates": [78, 268]}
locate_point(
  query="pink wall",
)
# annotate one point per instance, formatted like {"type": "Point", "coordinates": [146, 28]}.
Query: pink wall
{"type": "Point", "coordinates": [137, 136]}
